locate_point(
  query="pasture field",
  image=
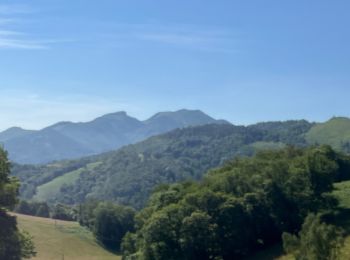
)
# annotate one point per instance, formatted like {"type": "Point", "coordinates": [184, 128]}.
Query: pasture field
{"type": "Point", "coordinates": [57, 240]}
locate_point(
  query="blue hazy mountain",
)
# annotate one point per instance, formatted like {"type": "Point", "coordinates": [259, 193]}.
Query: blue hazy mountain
{"type": "Point", "coordinates": [67, 140]}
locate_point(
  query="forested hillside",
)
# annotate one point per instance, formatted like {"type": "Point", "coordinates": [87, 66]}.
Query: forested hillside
{"type": "Point", "coordinates": [247, 205]}
{"type": "Point", "coordinates": [128, 175]}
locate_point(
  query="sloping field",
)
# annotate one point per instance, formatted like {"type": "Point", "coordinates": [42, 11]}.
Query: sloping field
{"type": "Point", "coordinates": [57, 240]}
{"type": "Point", "coordinates": [335, 132]}
{"type": "Point", "coordinates": [50, 189]}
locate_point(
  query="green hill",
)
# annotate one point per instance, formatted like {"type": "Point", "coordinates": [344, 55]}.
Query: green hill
{"type": "Point", "coordinates": [128, 175]}
{"type": "Point", "coordinates": [56, 239]}
{"type": "Point", "coordinates": [52, 188]}
{"type": "Point", "coordinates": [335, 132]}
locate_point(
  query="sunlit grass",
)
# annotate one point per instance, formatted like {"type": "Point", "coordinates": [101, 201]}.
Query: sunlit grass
{"type": "Point", "coordinates": [55, 239]}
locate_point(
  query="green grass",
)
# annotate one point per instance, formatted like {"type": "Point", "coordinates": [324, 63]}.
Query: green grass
{"type": "Point", "coordinates": [333, 132]}
{"type": "Point", "coordinates": [50, 189]}
{"type": "Point", "coordinates": [62, 240]}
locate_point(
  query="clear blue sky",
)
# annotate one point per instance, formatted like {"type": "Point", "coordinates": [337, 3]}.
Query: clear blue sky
{"type": "Point", "coordinates": [244, 61]}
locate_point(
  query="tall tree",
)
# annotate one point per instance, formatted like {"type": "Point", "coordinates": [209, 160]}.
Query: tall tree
{"type": "Point", "coordinates": [14, 245]}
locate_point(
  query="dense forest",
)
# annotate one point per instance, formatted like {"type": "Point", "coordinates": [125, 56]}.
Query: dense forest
{"type": "Point", "coordinates": [243, 207]}
{"type": "Point", "coordinates": [247, 205]}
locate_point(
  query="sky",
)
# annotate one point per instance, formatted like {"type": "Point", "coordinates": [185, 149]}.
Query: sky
{"type": "Point", "coordinates": [243, 61]}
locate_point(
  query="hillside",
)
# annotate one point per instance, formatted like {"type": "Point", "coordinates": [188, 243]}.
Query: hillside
{"type": "Point", "coordinates": [129, 174]}
{"type": "Point", "coordinates": [68, 140]}
{"type": "Point", "coordinates": [335, 132]}
{"type": "Point", "coordinates": [241, 208]}
{"type": "Point", "coordinates": [14, 132]}
{"type": "Point", "coordinates": [56, 239]}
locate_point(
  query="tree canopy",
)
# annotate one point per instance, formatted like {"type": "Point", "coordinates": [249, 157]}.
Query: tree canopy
{"type": "Point", "coordinates": [238, 209]}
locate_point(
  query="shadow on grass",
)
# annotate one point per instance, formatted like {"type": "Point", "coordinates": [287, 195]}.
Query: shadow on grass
{"type": "Point", "coordinates": [111, 250]}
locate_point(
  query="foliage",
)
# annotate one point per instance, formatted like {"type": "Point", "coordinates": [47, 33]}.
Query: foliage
{"type": "Point", "coordinates": [112, 222]}
{"type": "Point", "coordinates": [315, 241]}
{"type": "Point", "coordinates": [109, 222]}
{"type": "Point", "coordinates": [28, 248]}
{"type": "Point", "coordinates": [13, 244]}
{"type": "Point", "coordinates": [86, 215]}
{"type": "Point", "coordinates": [39, 209]}
{"type": "Point", "coordinates": [238, 209]}
{"type": "Point", "coordinates": [64, 212]}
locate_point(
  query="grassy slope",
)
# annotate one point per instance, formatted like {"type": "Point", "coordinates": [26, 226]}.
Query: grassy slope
{"type": "Point", "coordinates": [52, 241]}
{"type": "Point", "coordinates": [332, 132]}
{"type": "Point", "coordinates": [50, 189]}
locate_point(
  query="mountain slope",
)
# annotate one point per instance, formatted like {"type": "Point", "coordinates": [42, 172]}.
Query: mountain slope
{"type": "Point", "coordinates": [105, 133]}
{"type": "Point", "coordinates": [129, 174]}
{"type": "Point", "coordinates": [67, 140]}
{"type": "Point", "coordinates": [57, 239]}
{"type": "Point", "coordinates": [43, 146]}
{"type": "Point", "coordinates": [335, 132]}
{"type": "Point", "coordinates": [14, 132]}
{"type": "Point", "coordinates": [165, 121]}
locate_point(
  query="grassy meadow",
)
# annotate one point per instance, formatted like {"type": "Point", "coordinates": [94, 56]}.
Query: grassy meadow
{"type": "Point", "coordinates": [52, 188]}
{"type": "Point", "coordinates": [57, 240]}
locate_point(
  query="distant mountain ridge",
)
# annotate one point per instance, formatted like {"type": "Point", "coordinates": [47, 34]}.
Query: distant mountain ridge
{"type": "Point", "coordinates": [68, 140]}
{"type": "Point", "coordinates": [14, 132]}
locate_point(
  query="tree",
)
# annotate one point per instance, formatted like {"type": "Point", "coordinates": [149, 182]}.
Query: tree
{"type": "Point", "coordinates": [241, 208]}
{"type": "Point", "coordinates": [14, 245]}
{"type": "Point", "coordinates": [64, 212]}
{"type": "Point", "coordinates": [199, 236]}
{"type": "Point", "coordinates": [27, 249]}
{"type": "Point", "coordinates": [43, 210]}
{"type": "Point", "coordinates": [315, 241]}
{"type": "Point", "coordinates": [112, 222]}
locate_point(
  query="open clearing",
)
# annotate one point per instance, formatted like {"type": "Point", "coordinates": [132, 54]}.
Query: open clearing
{"type": "Point", "coordinates": [57, 240]}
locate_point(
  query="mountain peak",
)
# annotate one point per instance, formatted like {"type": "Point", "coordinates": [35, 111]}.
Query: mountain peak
{"type": "Point", "coordinates": [105, 133]}
{"type": "Point", "coordinates": [14, 132]}
{"type": "Point", "coordinates": [115, 115]}
{"type": "Point", "coordinates": [179, 113]}
{"type": "Point", "coordinates": [14, 128]}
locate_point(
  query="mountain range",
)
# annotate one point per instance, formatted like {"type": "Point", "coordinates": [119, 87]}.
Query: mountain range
{"type": "Point", "coordinates": [129, 174]}
{"type": "Point", "coordinates": [68, 140]}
